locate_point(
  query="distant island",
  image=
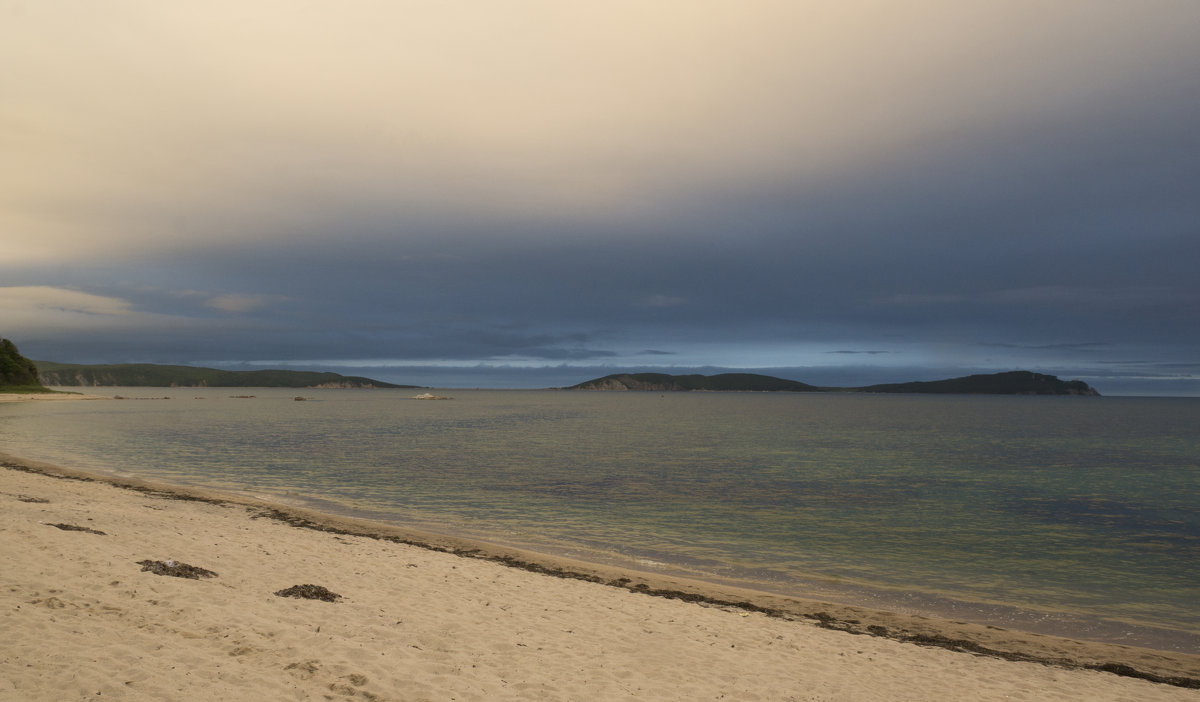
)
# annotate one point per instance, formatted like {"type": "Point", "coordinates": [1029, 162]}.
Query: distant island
{"type": "Point", "coordinates": [1008, 383]}
{"type": "Point", "coordinates": [662, 382]}
{"type": "Point", "coordinates": [165, 376]}
{"type": "Point", "coordinates": [17, 373]}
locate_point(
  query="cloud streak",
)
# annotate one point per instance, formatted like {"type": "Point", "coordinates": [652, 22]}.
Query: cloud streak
{"type": "Point", "coordinates": [45, 299]}
{"type": "Point", "coordinates": [234, 303]}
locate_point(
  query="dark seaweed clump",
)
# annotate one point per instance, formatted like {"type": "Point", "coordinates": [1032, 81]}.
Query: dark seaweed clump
{"type": "Point", "coordinates": [176, 569]}
{"type": "Point", "coordinates": [309, 592]}
{"type": "Point", "coordinates": [72, 527]}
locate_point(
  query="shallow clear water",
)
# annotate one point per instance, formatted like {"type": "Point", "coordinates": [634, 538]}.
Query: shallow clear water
{"type": "Point", "coordinates": [1086, 506]}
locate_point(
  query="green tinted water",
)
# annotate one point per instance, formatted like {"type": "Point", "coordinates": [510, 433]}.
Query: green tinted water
{"type": "Point", "coordinates": [1087, 506]}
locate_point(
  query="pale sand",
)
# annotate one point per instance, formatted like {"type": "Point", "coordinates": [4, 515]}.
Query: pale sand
{"type": "Point", "coordinates": [79, 619]}
{"type": "Point", "coordinates": [47, 396]}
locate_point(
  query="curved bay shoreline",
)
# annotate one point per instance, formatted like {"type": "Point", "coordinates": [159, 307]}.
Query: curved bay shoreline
{"type": "Point", "coordinates": [1170, 668]}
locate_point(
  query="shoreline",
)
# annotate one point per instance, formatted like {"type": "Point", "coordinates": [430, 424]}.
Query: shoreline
{"type": "Point", "coordinates": [990, 642]}
{"type": "Point", "coordinates": [53, 395]}
{"type": "Point", "coordinates": [914, 604]}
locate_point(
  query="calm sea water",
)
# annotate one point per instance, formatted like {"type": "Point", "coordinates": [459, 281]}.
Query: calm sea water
{"type": "Point", "coordinates": [1076, 515]}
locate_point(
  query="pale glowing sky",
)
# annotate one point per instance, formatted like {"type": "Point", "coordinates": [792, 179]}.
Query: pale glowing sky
{"type": "Point", "coordinates": [532, 193]}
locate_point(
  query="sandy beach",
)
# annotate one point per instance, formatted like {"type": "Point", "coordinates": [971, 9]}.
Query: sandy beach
{"type": "Point", "coordinates": [90, 610]}
{"type": "Point", "coordinates": [47, 396]}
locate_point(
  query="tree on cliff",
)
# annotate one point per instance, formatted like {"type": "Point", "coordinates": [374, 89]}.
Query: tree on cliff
{"type": "Point", "coordinates": [16, 371]}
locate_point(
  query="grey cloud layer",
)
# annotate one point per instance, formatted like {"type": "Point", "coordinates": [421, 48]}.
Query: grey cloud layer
{"type": "Point", "coordinates": [562, 183]}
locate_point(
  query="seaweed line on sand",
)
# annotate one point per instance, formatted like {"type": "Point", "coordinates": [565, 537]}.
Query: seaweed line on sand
{"type": "Point", "coordinates": [819, 618]}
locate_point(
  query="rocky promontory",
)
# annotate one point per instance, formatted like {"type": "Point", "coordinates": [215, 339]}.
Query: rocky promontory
{"type": "Point", "coordinates": [17, 373]}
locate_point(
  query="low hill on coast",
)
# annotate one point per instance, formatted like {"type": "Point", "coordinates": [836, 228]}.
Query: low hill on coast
{"type": "Point", "coordinates": [660, 382]}
{"type": "Point", "coordinates": [17, 373]}
{"type": "Point", "coordinates": [1008, 383]}
{"type": "Point", "coordinates": [164, 376]}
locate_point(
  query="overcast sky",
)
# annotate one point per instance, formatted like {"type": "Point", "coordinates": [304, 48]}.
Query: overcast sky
{"type": "Point", "coordinates": [533, 193]}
